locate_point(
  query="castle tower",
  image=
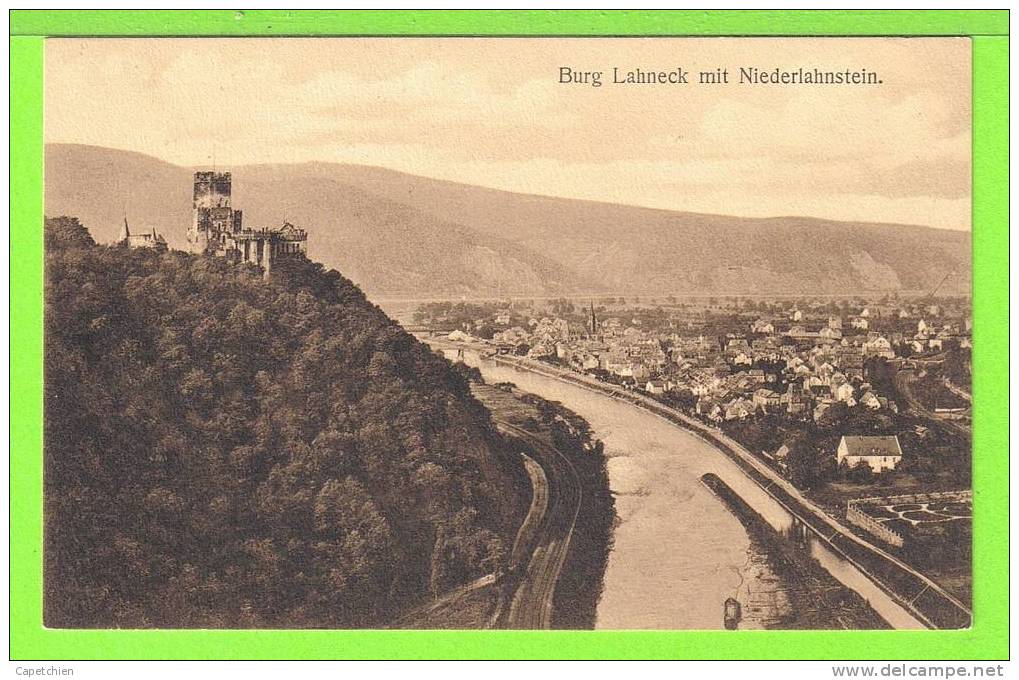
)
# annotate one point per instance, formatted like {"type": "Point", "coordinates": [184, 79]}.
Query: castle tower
{"type": "Point", "coordinates": [212, 216]}
{"type": "Point", "coordinates": [217, 229]}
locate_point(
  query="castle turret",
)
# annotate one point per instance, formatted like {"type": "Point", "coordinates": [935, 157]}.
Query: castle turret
{"type": "Point", "coordinates": [212, 215]}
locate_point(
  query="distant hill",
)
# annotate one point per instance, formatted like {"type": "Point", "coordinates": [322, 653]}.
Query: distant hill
{"type": "Point", "coordinates": [397, 234]}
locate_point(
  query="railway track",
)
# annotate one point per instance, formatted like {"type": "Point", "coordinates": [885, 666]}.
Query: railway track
{"type": "Point", "coordinates": [531, 600]}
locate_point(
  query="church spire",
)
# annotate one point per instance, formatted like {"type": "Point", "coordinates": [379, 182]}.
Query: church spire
{"type": "Point", "coordinates": [125, 232]}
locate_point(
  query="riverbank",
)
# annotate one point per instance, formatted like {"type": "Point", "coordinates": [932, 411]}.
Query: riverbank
{"type": "Point", "coordinates": [580, 581]}
{"type": "Point", "coordinates": [911, 591]}
{"type": "Point", "coordinates": [817, 601]}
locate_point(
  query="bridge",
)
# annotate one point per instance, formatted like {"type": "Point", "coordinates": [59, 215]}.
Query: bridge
{"type": "Point", "coordinates": [428, 331]}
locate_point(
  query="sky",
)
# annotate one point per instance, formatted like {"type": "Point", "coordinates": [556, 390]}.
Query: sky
{"type": "Point", "coordinates": [493, 112]}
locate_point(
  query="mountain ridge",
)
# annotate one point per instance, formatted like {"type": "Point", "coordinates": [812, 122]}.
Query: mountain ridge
{"type": "Point", "coordinates": [398, 234]}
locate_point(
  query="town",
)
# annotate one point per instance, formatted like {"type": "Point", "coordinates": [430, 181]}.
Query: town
{"type": "Point", "coordinates": [862, 403]}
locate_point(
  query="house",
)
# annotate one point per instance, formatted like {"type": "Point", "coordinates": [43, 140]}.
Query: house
{"type": "Point", "coordinates": [870, 400]}
{"type": "Point", "coordinates": [794, 399]}
{"type": "Point", "coordinates": [739, 409]}
{"type": "Point", "coordinates": [764, 397]}
{"type": "Point", "coordinates": [879, 347]}
{"type": "Point", "coordinates": [626, 369]}
{"type": "Point", "coordinates": [742, 359]}
{"type": "Point", "coordinates": [860, 322]}
{"type": "Point", "coordinates": [737, 345]}
{"type": "Point", "coordinates": [144, 239]}
{"type": "Point", "coordinates": [850, 357]}
{"type": "Point", "coordinates": [843, 392]}
{"type": "Point", "coordinates": [820, 391]}
{"type": "Point", "coordinates": [655, 387]}
{"type": "Point", "coordinates": [781, 456]}
{"type": "Point", "coordinates": [709, 408]}
{"type": "Point", "coordinates": [880, 453]}
{"type": "Point", "coordinates": [829, 333]}
{"type": "Point", "coordinates": [797, 405]}
{"type": "Point", "coordinates": [762, 326]}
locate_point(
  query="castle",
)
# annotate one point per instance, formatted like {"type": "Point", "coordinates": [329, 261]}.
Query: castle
{"type": "Point", "coordinates": [216, 228]}
{"type": "Point", "coordinates": [144, 239]}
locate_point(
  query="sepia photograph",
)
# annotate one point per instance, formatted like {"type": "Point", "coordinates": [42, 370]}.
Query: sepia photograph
{"type": "Point", "coordinates": [508, 333]}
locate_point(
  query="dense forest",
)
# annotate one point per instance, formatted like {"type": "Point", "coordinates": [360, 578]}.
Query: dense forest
{"type": "Point", "coordinates": [223, 451]}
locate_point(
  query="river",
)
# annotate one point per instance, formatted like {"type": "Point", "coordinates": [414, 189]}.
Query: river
{"type": "Point", "coordinates": [677, 552]}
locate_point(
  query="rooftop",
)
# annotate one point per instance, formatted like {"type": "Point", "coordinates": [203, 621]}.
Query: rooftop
{"type": "Point", "coordinates": [872, 446]}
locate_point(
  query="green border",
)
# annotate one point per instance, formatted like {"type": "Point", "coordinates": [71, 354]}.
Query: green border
{"type": "Point", "coordinates": [508, 22]}
{"type": "Point", "coordinates": [987, 639]}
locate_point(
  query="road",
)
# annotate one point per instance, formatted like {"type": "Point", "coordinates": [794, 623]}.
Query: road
{"type": "Point", "coordinates": [957, 391]}
{"type": "Point", "coordinates": [904, 378]}
{"type": "Point", "coordinates": [544, 539]}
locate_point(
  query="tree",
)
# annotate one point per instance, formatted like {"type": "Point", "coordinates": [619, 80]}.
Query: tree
{"type": "Point", "coordinates": [803, 463]}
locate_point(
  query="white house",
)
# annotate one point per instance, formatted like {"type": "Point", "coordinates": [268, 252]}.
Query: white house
{"type": "Point", "coordinates": [843, 392]}
{"type": "Point", "coordinates": [830, 333]}
{"type": "Point", "coordinates": [880, 347]}
{"type": "Point", "coordinates": [880, 453]}
{"type": "Point", "coordinates": [656, 387]}
{"type": "Point", "coordinates": [870, 400]}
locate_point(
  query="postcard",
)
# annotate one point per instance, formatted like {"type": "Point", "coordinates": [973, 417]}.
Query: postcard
{"type": "Point", "coordinates": [508, 333]}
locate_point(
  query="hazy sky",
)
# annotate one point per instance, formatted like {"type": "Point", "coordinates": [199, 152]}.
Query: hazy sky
{"type": "Point", "coordinates": [492, 112]}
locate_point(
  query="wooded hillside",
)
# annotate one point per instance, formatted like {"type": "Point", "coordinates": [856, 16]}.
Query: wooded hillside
{"type": "Point", "coordinates": [221, 451]}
